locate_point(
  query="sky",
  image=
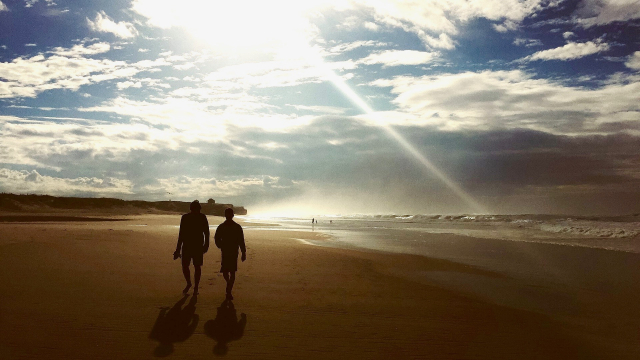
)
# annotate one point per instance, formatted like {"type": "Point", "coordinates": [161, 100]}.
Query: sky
{"type": "Point", "coordinates": [326, 107]}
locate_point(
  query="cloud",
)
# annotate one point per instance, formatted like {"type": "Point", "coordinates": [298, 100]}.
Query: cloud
{"type": "Point", "coordinates": [511, 99]}
{"type": "Point", "coordinates": [38, 143]}
{"type": "Point", "coordinates": [371, 26]}
{"type": "Point", "coordinates": [349, 46]}
{"type": "Point", "coordinates": [601, 12]}
{"type": "Point", "coordinates": [320, 109]}
{"type": "Point", "coordinates": [527, 42]}
{"type": "Point", "coordinates": [283, 73]}
{"type": "Point", "coordinates": [399, 57]}
{"type": "Point", "coordinates": [105, 24]}
{"type": "Point", "coordinates": [66, 68]}
{"type": "Point", "coordinates": [568, 34]}
{"type": "Point", "coordinates": [3, 7]}
{"type": "Point", "coordinates": [434, 21]}
{"type": "Point", "coordinates": [128, 84]}
{"type": "Point", "coordinates": [634, 61]}
{"type": "Point", "coordinates": [508, 25]}
{"type": "Point", "coordinates": [30, 3]}
{"type": "Point", "coordinates": [31, 182]}
{"type": "Point", "coordinates": [570, 51]}
{"type": "Point", "coordinates": [192, 187]}
{"type": "Point", "coordinates": [81, 50]}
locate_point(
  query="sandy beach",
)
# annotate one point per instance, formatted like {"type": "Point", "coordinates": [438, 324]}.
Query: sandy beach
{"type": "Point", "coordinates": [110, 290]}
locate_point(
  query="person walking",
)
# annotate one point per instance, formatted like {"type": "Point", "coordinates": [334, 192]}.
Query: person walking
{"type": "Point", "coordinates": [193, 243]}
{"type": "Point", "coordinates": [229, 237]}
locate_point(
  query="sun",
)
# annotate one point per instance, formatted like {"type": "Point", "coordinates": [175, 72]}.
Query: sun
{"type": "Point", "coordinates": [239, 25]}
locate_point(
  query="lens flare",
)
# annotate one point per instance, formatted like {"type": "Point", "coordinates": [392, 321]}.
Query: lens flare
{"type": "Point", "coordinates": [404, 143]}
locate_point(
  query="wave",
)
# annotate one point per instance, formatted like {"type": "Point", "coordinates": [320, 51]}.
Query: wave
{"type": "Point", "coordinates": [627, 226]}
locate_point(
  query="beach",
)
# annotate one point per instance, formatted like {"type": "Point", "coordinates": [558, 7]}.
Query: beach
{"type": "Point", "coordinates": [111, 290]}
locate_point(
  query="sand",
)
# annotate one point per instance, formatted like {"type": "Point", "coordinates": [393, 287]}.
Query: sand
{"type": "Point", "coordinates": [110, 290]}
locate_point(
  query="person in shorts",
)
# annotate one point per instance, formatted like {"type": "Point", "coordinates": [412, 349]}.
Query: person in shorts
{"type": "Point", "coordinates": [193, 243]}
{"type": "Point", "coordinates": [229, 238]}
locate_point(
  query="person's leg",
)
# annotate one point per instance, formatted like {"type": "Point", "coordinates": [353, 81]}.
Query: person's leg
{"type": "Point", "coordinates": [230, 282]}
{"type": "Point", "coordinates": [196, 278]}
{"type": "Point", "coordinates": [187, 276]}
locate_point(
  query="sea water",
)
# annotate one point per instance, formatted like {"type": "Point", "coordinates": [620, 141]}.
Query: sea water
{"type": "Point", "coordinates": [411, 233]}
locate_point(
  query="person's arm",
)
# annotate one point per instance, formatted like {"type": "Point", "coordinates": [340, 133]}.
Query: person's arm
{"type": "Point", "coordinates": [206, 234]}
{"type": "Point", "coordinates": [218, 236]}
{"type": "Point", "coordinates": [243, 248]}
{"type": "Point", "coordinates": [176, 254]}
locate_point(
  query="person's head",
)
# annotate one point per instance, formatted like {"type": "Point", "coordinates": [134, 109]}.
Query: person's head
{"type": "Point", "coordinates": [195, 206]}
{"type": "Point", "coordinates": [228, 213]}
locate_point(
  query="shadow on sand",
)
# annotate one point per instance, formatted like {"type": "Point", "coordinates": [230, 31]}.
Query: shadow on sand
{"type": "Point", "coordinates": [225, 327]}
{"type": "Point", "coordinates": [175, 324]}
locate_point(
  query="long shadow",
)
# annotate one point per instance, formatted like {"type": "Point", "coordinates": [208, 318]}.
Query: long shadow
{"type": "Point", "coordinates": [175, 324]}
{"type": "Point", "coordinates": [225, 327]}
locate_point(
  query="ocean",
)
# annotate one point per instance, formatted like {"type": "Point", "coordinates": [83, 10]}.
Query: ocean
{"type": "Point", "coordinates": [545, 263]}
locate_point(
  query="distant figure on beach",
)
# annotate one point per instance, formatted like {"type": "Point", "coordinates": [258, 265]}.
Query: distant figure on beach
{"type": "Point", "coordinates": [193, 242]}
{"type": "Point", "coordinates": [313, 220]}
{"type": "Point", "coordinates": [229, 237]}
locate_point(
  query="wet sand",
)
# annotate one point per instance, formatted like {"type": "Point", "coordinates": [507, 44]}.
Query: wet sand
{"type": "Point", "coordinates": [110, 290]}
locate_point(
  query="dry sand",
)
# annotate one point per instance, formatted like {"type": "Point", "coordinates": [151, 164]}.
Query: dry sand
{"type": "Point", "coordinates": [110, 290]}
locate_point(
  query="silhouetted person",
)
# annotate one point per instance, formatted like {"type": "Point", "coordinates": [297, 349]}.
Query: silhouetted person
{"type": "Point", "coordinates": [193, 240]}
{"type": "Point", "coordinates": [174, 324]}
{"type": "Point", "coordinates": [225, 327]}
{"type": "Point", "coordinates": [229, 237]}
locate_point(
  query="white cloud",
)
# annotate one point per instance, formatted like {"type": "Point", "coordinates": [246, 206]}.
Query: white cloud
{"type": "Point", "coordinates": [273, 74]}
{"type": "Point", "coordinates": [65, 69]}
{"type": "Point", "coordinates": [190, 187]}
{"type": "Point", "coordinates": [443, 41]}
{"type": "Point", "coordinates": [508, 25]}
{"type": "Point", "coordinates": [399, 57]}
{"type": "Point", "coordinates": [320, 109]}
{"type": "Point", "coordinates": [569, 51]}
{"type": "Point", "coordinates": [38, 143]}
{"type": "Point", "coordinates": [138, 83]}
{"type": "Point", "coordinates": [509, 99]}
{"type": "Point", "coordinates": [527, 42]}
{"type": "Point", "coordinates": [202, 114]}
{"type": "Point", "coordinates": [128, 84]}
{"type": "Point", "coordinates": [30, 3]}
{"type": "Point", "coordinates": [3, 7]}
{"type": "Point", "coordinates": [634, 61]}
{"type": "Point", "coordinates": [30, 45]}
{"type": "Point", "coordinates": [103, 23]}
{"type": "Point", "coordinates": [568, 34]}
{"type": "Point", "coordinates": [371, 26]}
{"type": "Point", "coordinates": [81, 50]}
{"type": "Point", "coordinates": [435, 20]}
{"type": "Point", "coordinates": [602, 12]}
{"type": "Point", "coordinates": [22, 182]}
{"type": "Point", "coordinates": [345, 47]}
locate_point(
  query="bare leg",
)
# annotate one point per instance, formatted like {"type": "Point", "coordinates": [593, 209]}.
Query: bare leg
{"type": "Point", "coordinates": [231, 279]}
{"type": "Point", "coordinates": [187, 276]}
{"type": "Point", "coordinates": [196, 278]}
